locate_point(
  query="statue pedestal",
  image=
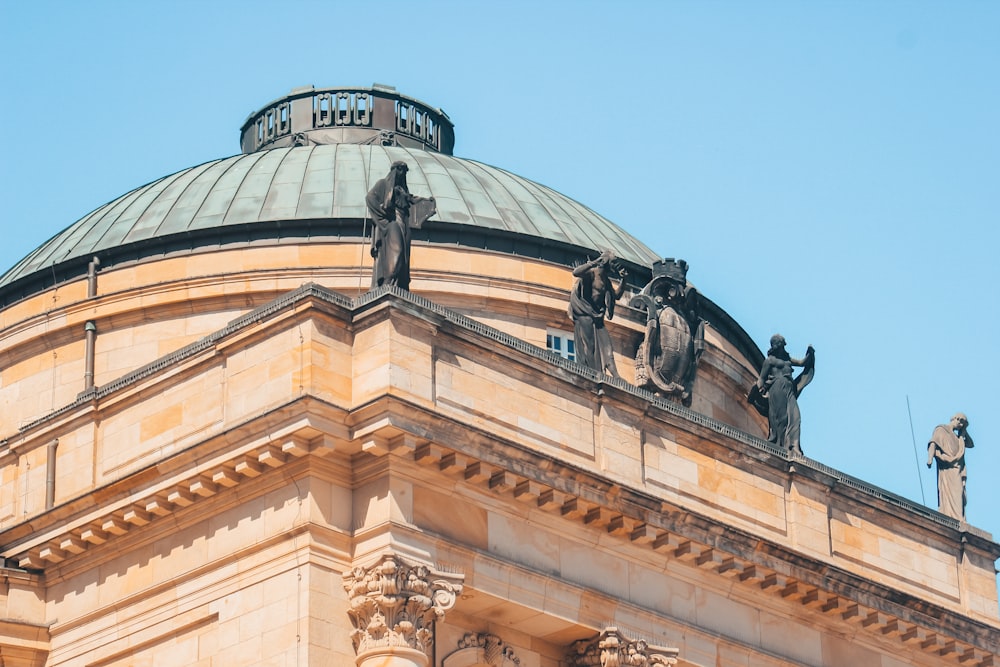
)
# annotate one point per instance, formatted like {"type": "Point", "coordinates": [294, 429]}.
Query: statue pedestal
{"type": "Point", "coordinates": [393, 656]}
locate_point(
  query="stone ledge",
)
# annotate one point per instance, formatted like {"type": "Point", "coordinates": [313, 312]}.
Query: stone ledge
{"type": "Point", "coordinates": [707, 557]}
{"type": "Point", "coordinates": [447, 319]}
{"type": "Point", "coordinates": [260, 458]}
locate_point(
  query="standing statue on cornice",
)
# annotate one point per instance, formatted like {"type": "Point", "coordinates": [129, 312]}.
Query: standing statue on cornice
{"type": "Point", "coordinates": [592, 299]}
{"type": "Point", "coordinates": [668, 356]}
{"type": "Point", "coordinates": [947, 447]}
{"type": "Point", "coordinates": [776, 394]}
{"type": "Point", "coordinates": [395, 211]}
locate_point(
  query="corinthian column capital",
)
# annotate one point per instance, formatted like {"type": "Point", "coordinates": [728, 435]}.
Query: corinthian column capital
{"type": "Point", "coordinates": [612, 649]}
{"type": "Point", "coordinates": [394, 604]}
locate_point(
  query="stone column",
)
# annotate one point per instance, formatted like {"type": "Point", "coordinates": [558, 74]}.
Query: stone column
{"type": "Point", "coordinates": [612, 649]}
{"type": "Point", "coordinates": [393, 608]}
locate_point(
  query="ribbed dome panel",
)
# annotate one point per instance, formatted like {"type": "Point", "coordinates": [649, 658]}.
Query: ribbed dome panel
{"type": "Point", "coordinates": [328, 182]}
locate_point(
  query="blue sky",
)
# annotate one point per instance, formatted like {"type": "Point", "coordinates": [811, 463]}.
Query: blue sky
{"type": "Point", "coordinates": [830, 170]}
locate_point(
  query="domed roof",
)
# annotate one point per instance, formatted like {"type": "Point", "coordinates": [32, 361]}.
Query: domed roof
{"type": "Point", "coordinates": [266, 194]}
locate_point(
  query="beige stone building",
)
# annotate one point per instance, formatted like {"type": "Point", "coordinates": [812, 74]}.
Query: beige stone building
{"type": "Point", "coordinates": [218, 447]}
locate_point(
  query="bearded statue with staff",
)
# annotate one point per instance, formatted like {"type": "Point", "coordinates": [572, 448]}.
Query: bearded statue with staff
{"type": "Point", "coordinates": [395, 211]}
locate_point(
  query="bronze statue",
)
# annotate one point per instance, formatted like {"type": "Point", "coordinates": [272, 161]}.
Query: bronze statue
{"type": "Point", "coordinates": [593, 297]}
{"type": "Point", "coordinates": [775, 395]}
{"type": "Point", "coordinates": [668, 356]}
{"type": "Point", "coordinates": [947, 447]}
{"type": "Point", "coordinates": [395, 211]}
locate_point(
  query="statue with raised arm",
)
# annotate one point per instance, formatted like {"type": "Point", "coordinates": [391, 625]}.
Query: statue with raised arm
{"type": "Point", "coordinates": [395, 211]}
{"type": "Point", "coordinates": [775, 394]}
{"type": "Point", "coordinates": [947, 447]}
{"type": "Point", "coordinates": [592, 299]}
{"type": "Point", "coordinates": [668, 356]}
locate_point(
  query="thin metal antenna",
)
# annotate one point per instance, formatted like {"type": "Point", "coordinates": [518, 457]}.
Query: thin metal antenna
{"type": "Point", "coordinates": [916, 455]}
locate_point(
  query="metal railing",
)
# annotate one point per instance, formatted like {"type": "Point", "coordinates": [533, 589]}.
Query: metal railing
{"type": "Point", "coordinates": [379, 108]}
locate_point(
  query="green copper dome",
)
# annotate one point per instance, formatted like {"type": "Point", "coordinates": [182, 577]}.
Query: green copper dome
{"type": "Point", "coordinates": [309, 159]}
{"type": "Point", "coordinates": [323, 189]}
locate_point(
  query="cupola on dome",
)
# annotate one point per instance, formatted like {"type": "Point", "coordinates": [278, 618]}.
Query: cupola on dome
{"type": "Point", "coordinates": [308, 159]}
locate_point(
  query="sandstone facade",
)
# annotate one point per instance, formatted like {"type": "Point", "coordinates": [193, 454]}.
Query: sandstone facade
{"type": "Point", "coordinates": [217, 449]}
{"type": "Point", "coordinates": [255, 447]}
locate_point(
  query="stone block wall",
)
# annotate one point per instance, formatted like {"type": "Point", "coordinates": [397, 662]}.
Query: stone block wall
{"type": "Point", "coordinates": [206, 507]}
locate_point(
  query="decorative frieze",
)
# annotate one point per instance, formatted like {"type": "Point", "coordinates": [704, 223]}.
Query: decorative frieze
{"type": "Point", "coordinates": [393, 604]}
{"type": "Point", "coordinates": [612, 649]}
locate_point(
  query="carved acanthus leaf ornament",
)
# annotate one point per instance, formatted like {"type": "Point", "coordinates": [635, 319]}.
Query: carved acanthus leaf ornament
{"type": "Point", "coordinates": [395, 603]}
{"type": "Point", "coordinates": [495, 652]}
{"type": "Point", "coordinates": [612, 649]}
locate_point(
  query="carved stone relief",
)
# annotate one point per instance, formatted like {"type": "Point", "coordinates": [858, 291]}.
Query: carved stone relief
{"type": "Point", "coordinates": [479, 649]}
{"type": "Point", "coordinates": [393, 604]}
{"type": "Point", "coordinates": [667, 359]}
{"type": "Point", "coordinates": [612, 649]}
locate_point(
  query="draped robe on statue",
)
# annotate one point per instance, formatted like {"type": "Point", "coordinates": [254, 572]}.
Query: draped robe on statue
{"type": "Point", "coordinates": [776, 396]}
{"type": "Point", "coordinates": [948, 449]}
{"type": "Point", "coordinates": [593, 342]}
{"type": "Point", "coordinates": [395, 211]}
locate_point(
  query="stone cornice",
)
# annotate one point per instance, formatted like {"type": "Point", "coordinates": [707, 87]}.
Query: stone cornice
{"type": "Point", "coordinates": [474, 331]}
{"type": "Point", "coordinates": [738, 556]}
{"type": "Point", "coordinates": [170, 485]}
{"type": "Point", "coordinates": [528, 476]}
{"type": "Point", "coordinates": [564, 491]}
